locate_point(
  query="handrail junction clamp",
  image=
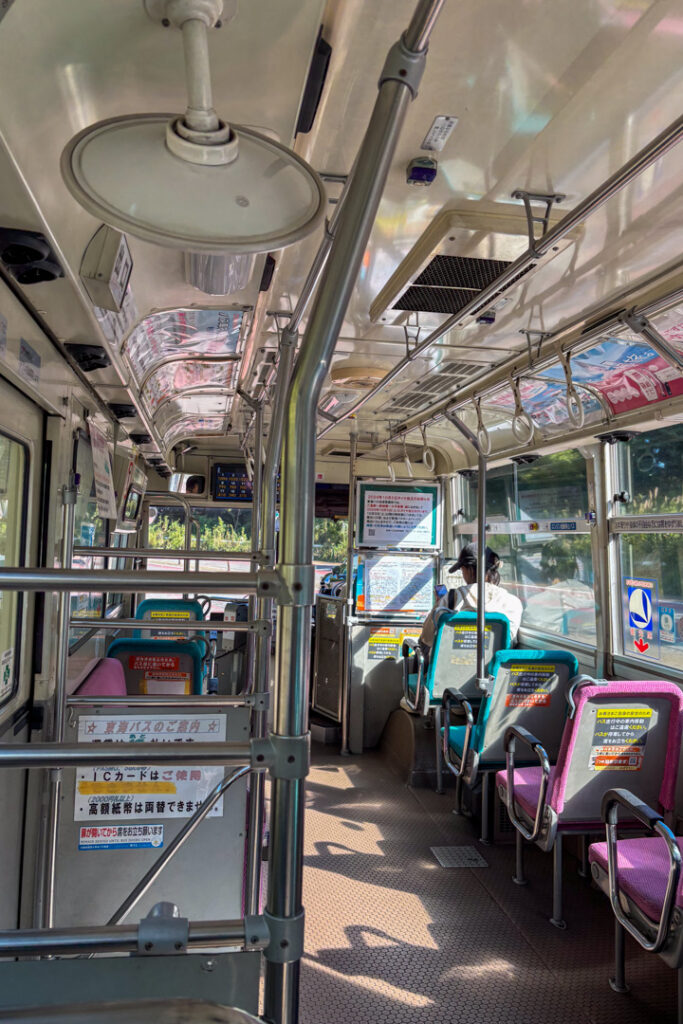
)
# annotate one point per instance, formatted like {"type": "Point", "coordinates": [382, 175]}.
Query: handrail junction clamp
{"type": "Point", "coordinates": [293, 585]}
{"type": "Point", "coordinates": [163, 932]}
{"type": "Point", "coordinates": [256, 932]}
{"type": "Point", "coordinates": [285, 757]}
{"type": "Point", "coordinates": [405, 66]}
{"type": "Point", "coordinates": [286, 938]}
{"type": "Point", "coordinates": [532, 218]}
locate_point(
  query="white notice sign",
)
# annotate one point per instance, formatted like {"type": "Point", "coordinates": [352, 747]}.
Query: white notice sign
{"type": "Point", "coordinates": [104, 483]}
{"type": "Point", "coordinates": [135, 792]}
{"type": "Point", "coordinates": [400, 517]}
{"type": "Point", "coordinates": [397, 584]}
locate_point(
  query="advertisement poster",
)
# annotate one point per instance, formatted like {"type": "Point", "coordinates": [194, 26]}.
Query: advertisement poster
{"type": "Point", "coordinates": [104, 483]}
{"type": "Point", "coordinates": [399, 517]}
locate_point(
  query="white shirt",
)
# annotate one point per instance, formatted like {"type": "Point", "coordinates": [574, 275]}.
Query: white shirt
{"type": "Point", "coordinates": [496, 599]}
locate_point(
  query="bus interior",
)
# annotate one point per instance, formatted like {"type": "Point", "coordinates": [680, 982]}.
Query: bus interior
{"type": "Point", "coordinates": [341, 447]}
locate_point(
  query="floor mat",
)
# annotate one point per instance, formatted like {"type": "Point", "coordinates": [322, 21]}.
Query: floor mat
{"type": "Point", "coordinates": [392, 938]}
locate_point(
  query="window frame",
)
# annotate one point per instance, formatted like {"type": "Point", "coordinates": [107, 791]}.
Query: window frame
{"type": "Point", "coordinates": [18, 652]}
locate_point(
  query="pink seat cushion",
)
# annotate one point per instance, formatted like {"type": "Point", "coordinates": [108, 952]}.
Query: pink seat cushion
{"type": "Point", "coordinates": [527, 782]}
{"type": "Point", "coordinates": [107, 680]}
{"type": "Point", "coordinates": [643, 870]}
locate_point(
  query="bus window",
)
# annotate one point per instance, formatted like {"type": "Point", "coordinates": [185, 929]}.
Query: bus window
{"type": "Point", "coordinates": [551, 573]}
{"type": "Point", "coordinates": [90, 531]}
{"type": "Point", "coordinates": [650, 567]}
{"type": "Point", "coordinates": [12, 502]}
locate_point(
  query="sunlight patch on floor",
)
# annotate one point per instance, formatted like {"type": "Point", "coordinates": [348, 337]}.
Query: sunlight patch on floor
{"type": "Point", "coordinates": [377, 986]}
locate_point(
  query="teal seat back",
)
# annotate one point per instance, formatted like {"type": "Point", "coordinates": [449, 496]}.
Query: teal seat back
{"type": "Point", "coordinates": [159, 609]}
{"type": "Point", "coordinates": [529, 690]}
{"type": "Point", "coordinates": [164, 666]}
{"type": "Point", "coordinates": [453, 662]}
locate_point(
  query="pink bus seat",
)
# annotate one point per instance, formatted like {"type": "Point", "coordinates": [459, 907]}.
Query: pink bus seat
{"type": "Point", "coordinates": [642, 870]}
{"type": "Point", "coordinates": [588, 766]}
{"type": "Point", "coordinates": [107, 679]}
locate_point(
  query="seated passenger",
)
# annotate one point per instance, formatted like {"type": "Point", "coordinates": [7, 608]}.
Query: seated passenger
{"type": "Point", "coordinates": [464, 599]}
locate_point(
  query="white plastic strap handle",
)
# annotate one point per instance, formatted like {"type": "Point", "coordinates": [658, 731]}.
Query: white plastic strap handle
{"type": "Point", "coordinates": [483, 436]}
{"type": "Point", "coordinates": [390, 468]}
{"type": "Point", "coordinates": [409, 468]}
{"type": "Point", "coordinates": [575, 409]}
{"type": "Point", "coordinates": [428, 459]}
{"type": "Point", "coordinates": [522, 423]}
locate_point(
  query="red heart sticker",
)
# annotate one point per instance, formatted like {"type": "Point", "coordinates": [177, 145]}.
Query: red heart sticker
{"type": "Point", "coordinates": [641, 645]}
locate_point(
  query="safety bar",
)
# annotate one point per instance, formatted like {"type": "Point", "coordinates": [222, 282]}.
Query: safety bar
{"type": "Point", "coordinates": [409, 648]}
{"type": "Point", "coordinates": [182, 553]}
{"type": "Point", "coordinates": [182, 625]}
{"type": "Point", "coordinates": [162, 700]}
{"type": "Point", "coordinates": [114, 581]}
{"type": "Point", "coordinates": [186, 831]}
{"type": "Point", "coordinates": [654, 823]}
{"type": "Point", "coordinates": [118, 939]}
{"type": "Point", "coordinates": [83, 755]}
{"type": "Point", "coordinates": [449, 698]}
{"type": "Point", "coordinates": [512, 734]}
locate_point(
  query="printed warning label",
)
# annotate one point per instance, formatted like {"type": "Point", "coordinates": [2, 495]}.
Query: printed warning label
{"type": "Point", "coordinates": [464, 643]}
{"type": "Point", "coordinates": [121, 837]}
{"type": "Point", "coordinates": [144, 792]}
{"type": "Point", "coordinates": [383, 643]}
{"type": "Point", "coordinates": [619, 738]}
{"type": "Point", "coordinates": [528, 686]}
{"type": "Point", "coordinates": [144, 662]}
{"type": "Point", "coordinates": [166, 682]}
{"type": "Point", "coordinates": [163, 613]}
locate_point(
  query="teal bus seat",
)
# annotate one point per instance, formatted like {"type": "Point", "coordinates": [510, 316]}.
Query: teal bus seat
{"type": "Point", "coordinates": [159, 666]}
{"type": "Point", "coordinates": [159, 609]}
{"type": "Point", "coordinates": [453, 661]}
{"type": "Point", "coordinates": [527, 689]}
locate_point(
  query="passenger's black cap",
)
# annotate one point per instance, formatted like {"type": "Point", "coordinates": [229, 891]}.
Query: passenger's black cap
{"type": "Point", "coordinates": [468, 558]}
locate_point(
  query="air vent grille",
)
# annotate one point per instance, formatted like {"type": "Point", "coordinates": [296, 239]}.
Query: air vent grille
{"type": "Point", "coordinates": [438, 384]}
{"type": "Point", "coordinates": [460, 272]}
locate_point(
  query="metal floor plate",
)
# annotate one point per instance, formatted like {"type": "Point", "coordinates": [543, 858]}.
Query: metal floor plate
{"type": "Point", "coordinates": [458, 856]}
{"type": "Point", "coordinates": [391, 938]}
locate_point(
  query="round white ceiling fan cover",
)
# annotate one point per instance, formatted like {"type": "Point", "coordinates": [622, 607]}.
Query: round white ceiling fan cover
{"type": "Point", "coordinates": [122, 172]}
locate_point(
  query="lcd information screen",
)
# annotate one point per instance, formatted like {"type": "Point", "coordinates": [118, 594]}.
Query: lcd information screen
{"type": "Point", "coordinates": [229, 482]}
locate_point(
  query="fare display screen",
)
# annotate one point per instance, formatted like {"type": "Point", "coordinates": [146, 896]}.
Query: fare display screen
{"type": "Point", "coordinates": [231, 483]}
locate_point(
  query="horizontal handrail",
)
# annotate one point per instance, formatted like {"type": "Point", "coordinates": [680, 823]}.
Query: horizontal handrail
{"type": "Point", "coordinates": [186, 831]}
{"type": "Point", "coordinates": [182, 625]}
{"type": "Point", "coordinates": [114, 580]}
{"type": "Point", "coordinates": [117, 938]}
{"type": "Point", "coordinates": [193, 553]}
{"type": "Point", "coordinates": [167, 700]}
{"type": "Point", "coordinates": [84, 755]}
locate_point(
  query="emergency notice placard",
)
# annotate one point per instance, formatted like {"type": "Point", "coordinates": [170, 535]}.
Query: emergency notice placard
{"type": "Point", "coordinates": [619, 738]}
{"type": "Point", "coordinates": [134, 792]}
{"type": "Point", "coordinates": [393, 516]}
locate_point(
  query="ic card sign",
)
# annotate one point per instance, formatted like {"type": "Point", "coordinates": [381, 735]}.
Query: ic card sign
{"type": "Point", "coordinates": [619, 738]}
{"type": "Point", "coordinates": [128, 793]}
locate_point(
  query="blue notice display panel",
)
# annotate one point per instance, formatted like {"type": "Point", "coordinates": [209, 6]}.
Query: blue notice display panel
{"type": "Point", "coordinates": [230, 483]}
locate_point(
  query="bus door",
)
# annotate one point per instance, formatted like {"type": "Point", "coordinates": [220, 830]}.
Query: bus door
{"type": "Point", "coordinates": [21, 455]}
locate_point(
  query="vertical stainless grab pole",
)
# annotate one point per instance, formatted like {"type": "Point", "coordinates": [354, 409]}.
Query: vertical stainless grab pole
{"type": "Point", "coordinates": [256, 512]}
{"type": "Point", "coordinates": [271, 465]}
{"type": "Point", "coordinates": [347, 666]}
{"type": "Point", "coordinates": [398, 84]}
{"type": "Point", "coordinates": [481, 541]}
{"type": "Point", "coordinates": [49, 862]}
